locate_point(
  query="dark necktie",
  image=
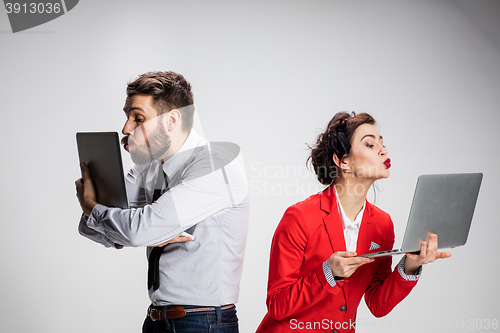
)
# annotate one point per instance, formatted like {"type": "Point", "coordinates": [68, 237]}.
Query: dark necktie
{"type": "Point", "coordinates": [154, 256]}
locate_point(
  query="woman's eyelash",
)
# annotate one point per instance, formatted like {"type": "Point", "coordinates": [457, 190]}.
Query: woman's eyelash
{"type": "Point", "coordinates": [371, 146]}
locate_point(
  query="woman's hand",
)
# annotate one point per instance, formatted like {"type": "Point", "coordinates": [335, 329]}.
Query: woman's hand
{"type": "Point", "coordinates": [343, 264]}
{"type": "Point", "coordinates": [428, 253]}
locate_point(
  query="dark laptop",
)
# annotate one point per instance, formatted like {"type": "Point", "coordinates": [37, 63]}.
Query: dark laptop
{"type": "Point", "coordinates": [101, 152]}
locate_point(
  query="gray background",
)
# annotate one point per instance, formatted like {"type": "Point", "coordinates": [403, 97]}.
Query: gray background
{"type": "Point", "coordinates": [266, 75]}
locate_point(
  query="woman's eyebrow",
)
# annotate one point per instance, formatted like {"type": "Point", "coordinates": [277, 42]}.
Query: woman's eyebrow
{"type": "Point", "coordinates": [371, 136]}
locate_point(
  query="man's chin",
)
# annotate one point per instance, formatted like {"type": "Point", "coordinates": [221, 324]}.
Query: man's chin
{"type": "Point", "coordinates": [142, 159]}
{"type": "Point", "coordinates": [139, 158]}
{"type": "Point", "coordinates": [141, 155]}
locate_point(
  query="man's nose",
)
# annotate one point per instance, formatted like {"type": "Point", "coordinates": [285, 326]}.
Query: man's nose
{"type": "Point", "coordinates": [129, 127]}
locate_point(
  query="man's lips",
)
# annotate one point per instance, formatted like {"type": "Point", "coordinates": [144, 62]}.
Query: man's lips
{"type": "Point", "coordinates": [125, 143]}
{"type": "Point", "coordinates": [387, 163]}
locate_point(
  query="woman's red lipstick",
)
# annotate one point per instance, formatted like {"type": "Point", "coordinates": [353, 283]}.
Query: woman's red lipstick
{"type": "Point", "coordinates": [387, 163]}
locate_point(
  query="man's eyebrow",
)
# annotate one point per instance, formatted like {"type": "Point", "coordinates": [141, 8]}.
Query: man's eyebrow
{"type": "Point", "coordinates": [128, 110]}
{"type": "Point", "coordinates": [371, 136]}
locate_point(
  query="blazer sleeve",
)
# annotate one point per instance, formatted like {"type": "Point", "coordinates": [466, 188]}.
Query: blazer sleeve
{"type": "Point", "coordinates": [289, 289]}
{"type": "Point", "coordinates": [387, 287]}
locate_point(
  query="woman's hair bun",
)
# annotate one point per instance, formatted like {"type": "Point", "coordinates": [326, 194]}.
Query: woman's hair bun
{"type": "Point", "coordinates": [336, 139]}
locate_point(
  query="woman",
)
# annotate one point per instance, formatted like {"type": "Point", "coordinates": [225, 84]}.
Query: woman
{"type": "Point", "coordinates": [316, 280]}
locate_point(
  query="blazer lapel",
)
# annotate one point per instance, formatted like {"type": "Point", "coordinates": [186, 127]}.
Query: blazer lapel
{"type": "Point", "coordinates": [366, 230]}
{"type": "Point", "coordinates": [331, 221]}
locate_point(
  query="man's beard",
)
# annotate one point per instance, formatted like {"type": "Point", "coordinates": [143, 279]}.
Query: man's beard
{"type": "Point", "coordinates": [159, 143]}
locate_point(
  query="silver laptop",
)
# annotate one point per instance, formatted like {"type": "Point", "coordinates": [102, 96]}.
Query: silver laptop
{"type": "Point", "coordinates": [101, 152]}
{"type": "Point", "coordinates": [443, 205]}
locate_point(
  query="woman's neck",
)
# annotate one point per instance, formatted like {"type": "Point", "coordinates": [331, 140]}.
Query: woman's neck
{"type": "Point", "coordinates": [352, 195]}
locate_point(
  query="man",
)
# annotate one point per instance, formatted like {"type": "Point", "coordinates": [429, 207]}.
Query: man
{"type": "Point", "coordinates": [189, 207]}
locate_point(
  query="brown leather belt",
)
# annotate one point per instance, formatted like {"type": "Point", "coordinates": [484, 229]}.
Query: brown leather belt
{"type": "Point", "coordinates": [176, 312]}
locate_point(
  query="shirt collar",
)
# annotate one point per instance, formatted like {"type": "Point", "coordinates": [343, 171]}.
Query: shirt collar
{"type": "Point", "coordinates": [174, 163]}
{"type": "Point", "coordinates": [346, 222]}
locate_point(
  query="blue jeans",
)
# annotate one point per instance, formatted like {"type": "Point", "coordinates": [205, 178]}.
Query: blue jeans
{"type": "Point", "coordinates": [218, 321]}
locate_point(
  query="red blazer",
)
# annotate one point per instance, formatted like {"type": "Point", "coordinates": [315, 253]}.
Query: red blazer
{"type": "Point", "coordinates": [299, 298]}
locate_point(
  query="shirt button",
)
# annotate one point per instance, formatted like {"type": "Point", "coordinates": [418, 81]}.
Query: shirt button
{"type": "Point", "coordinates": [335, 332]}
{"type": "Point", "coordinates": [343, 308]}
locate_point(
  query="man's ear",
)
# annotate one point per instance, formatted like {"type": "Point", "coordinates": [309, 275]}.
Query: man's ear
{"type": "Point", "coordinates": [173, 119]}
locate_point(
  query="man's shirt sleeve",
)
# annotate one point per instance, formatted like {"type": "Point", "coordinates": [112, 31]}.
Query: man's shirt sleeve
{"type": "Point", "coordinates": [178, 209]}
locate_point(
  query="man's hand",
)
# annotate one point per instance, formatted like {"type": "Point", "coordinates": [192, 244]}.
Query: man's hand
{"type": "Point", "coordinates": [85, 190]}
{"type": "Point", "coordinates": [343, 264]}
{"type": "Point", "coordinates": [177, 239]}
{"type": "Point", "coordinates": [428, 253]}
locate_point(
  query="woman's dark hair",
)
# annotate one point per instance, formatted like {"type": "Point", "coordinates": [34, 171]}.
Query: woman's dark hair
{"type": "Point", "coordinates": [335, 139]}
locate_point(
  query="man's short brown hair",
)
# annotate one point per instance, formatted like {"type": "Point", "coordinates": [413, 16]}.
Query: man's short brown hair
{"type": "Point", "coordinates": [169, 91]}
